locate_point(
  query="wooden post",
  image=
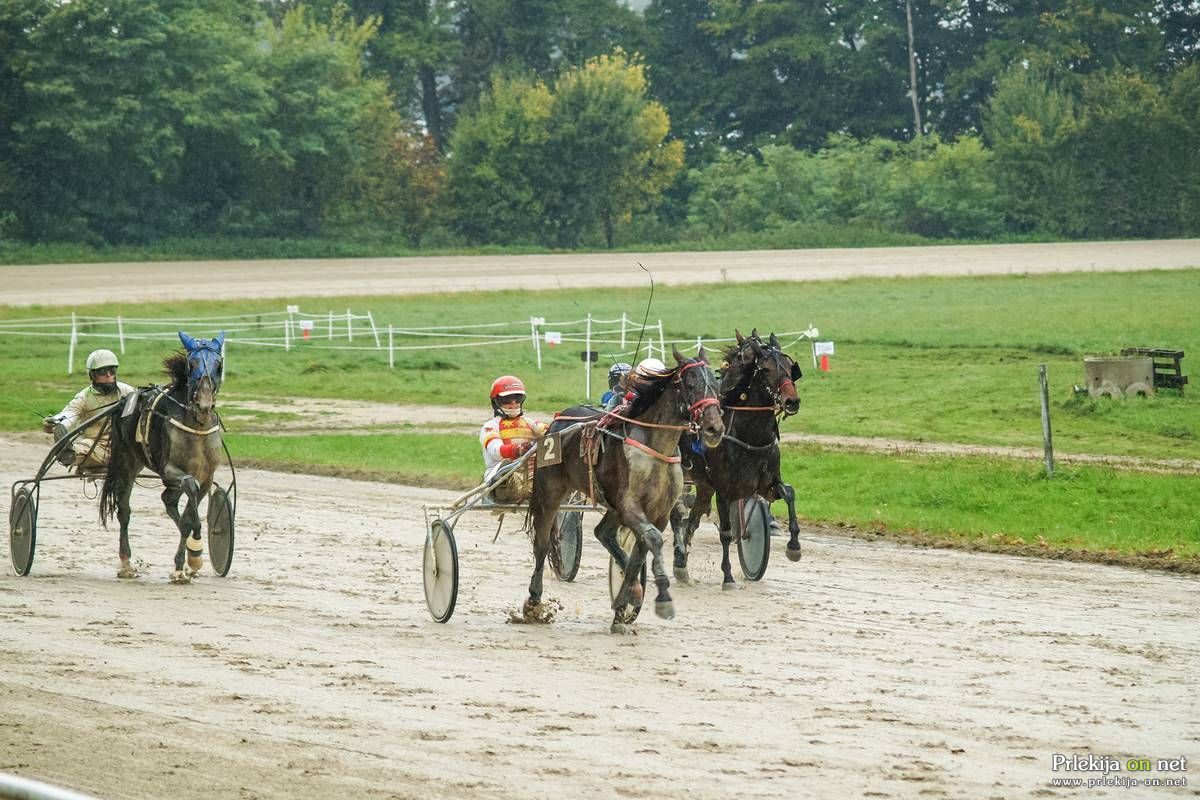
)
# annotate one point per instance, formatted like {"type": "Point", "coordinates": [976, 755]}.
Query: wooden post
{"type": "Point", "coordinates": [1049, 445]}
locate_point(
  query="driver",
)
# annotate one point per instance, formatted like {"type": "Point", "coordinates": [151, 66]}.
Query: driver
{"type": "Point", "coordinates": [90, 447]}
{"type": "Point", "coordinates": [507, 436]}
{"type": "Point", "coordinates": [616, 374]}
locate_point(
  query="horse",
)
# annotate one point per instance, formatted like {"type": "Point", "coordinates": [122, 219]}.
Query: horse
{"type": "Point", "coordinates": [174, 431]}
{"type": "Point", "coordinates": [635, 473]}
{"type": "Point", "coordinates": [757, 384]}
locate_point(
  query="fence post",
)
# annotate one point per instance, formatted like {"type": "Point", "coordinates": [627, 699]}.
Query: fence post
{"type": "Point", "coordinates": [330, 329]}
{"type": "Point", "coordinates": [1049, 446]}
{"type": "Point", "coordinates": [121, 334]}
{"type": "Point", "coordinates": [224, 361]}
{"type": "Point", "coordinates": [622, 331]}
{"type": "Point", "coordinates": [391, 353]}
{"type": "Point", "coordinates": [371, 319]}
{"type": "Point", "coordinates": [662, 347]}
{"type": "Point", "coordinates": [349, 327]}
{"type": "Point", "coordinates": [287, 335]}
{"type": "Point", "coordinates": [537, 345]}
{"type": "Point", "coordinates": [71, 346]}
{"type": "Point", "coordinates": [699, 345]}
{"type": "Point", "coordinates": [587, 360]}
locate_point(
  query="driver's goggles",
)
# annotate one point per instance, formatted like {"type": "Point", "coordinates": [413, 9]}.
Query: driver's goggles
{"type": "Point", "coordinates": [512, 399]}
{"type": "Point", "coordinates": [105, 371]}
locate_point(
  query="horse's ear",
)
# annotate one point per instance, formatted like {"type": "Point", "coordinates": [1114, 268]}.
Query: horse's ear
{"type": "Point", "coordinates": [680, 358]}
{"type": "Point", "coordinates": [773, 341]}
{"type": "Point", "coordinates": [219, 341]}
{"type": "Point", "coordinates": [756, 347]}
{"type": "Point", "coordinates": [741, 339]}
{"type": "Point", "coordinates": [702, 354]}
{"type": "Point", "coordinates": [754, 333]}
{"type": "Point", "coordinates": [188, 342]}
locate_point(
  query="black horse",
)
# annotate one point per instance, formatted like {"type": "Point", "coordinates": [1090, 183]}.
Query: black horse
{"type": "Point", "coordinates": [757, 384]}
{"type": "Point", "coordinates": [635, 473]}
{"type": "Point", "coordinates": [175, 432]}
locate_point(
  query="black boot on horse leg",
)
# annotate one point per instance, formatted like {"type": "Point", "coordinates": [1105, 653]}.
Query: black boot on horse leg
{"type": "Point", "coordinates": [543, 509]}
{"type": "Point", "coordinates": [789, 496]}
{"type": "Point", "coordinates": [727, 581]}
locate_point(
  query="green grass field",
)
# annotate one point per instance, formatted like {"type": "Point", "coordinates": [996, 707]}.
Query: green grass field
{"type": "Point", "coordinates": [935, 360]}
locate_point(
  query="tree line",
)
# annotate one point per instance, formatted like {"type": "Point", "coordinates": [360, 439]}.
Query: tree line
{"type": "Point", "coordinates": [571, 123]}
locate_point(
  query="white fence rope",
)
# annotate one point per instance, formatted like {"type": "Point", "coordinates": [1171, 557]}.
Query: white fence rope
{"type": "Point", "coordinates": [296, 329]}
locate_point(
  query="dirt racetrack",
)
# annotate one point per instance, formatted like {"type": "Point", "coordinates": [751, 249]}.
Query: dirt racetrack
{"type": "Point", "coordinates": [58, 284]}
{"type": "Point", "coordinates": [313, 670]}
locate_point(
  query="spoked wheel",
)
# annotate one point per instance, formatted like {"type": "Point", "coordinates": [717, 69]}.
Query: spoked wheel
{"type": "Point", "coordinates": [441, 570]}
{"type": "Point", "coordinates": [22, 530]}
{"type": "Point", "coordinates": [616, 576]}
{"type": "Point", "coordinates": [220, 531]}
{"type": "Point", "coordinates": [751, 520]}
{"type": "Point", "coordinates": [569, 544]}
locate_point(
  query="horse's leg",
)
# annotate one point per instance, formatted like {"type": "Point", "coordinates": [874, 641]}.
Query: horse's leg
{"type": "Point", "coordinates": [606, 534]}
{"type": "Point", "coordinates": [679, 541]}
{"type": "Point", "coordinates": [701, 506]}
{"type": "Point", "coordinates": [180, 483]}
{"type": "Point", "coordinates": [788, 494]}
{"type": "Point", "coordinates": [650, 539]}
{"type": "Point", "coordinates": [727, 581]}
{"type": "Point", "coordinates": [126, 569]}
{"type": "Point", "coordinates": [191, 517]}
{"type": "Point", "coordinates": [544, 508]}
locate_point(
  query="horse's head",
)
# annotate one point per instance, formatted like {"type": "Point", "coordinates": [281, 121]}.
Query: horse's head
{"type": "Point", "coordinates": [204, 372]}
{"type": "Point", "coordinates": [765, 362]}
{"type": "Point", "coordinates": [698, 396]}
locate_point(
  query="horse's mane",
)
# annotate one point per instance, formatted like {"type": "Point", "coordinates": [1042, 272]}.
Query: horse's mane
{"type": "Point", "coordinates": [648, 392]}
{"type": "Point", "coordinates": [176, 368]}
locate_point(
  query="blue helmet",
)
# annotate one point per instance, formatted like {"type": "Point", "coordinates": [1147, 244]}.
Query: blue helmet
{"type": "Point", "coordinates": [616, 372]}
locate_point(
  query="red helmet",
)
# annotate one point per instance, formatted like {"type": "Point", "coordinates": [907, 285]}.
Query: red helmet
{"type": "Point", "coordinates": [506, 385]}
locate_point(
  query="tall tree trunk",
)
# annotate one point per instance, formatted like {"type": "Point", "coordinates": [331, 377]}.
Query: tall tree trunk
{"type": "Point", "coordinates": [431, 106]}
{"type": "Point", "coordinates": [912, 71]}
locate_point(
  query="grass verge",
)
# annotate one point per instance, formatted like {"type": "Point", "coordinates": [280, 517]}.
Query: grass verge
{"type": "Point", "coordinates": [999, 505]}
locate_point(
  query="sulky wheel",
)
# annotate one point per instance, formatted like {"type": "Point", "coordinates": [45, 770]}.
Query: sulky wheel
{"type": "Point", "coordinates": [220, 531]}
{"type": "Point", "coordinates": [616, 575]}
{"type": "Point", "coordinates": [752, 529]}
{"type": "Point", "coordinates": [22, 530]}
{"type": "Point", "coordinates": [440, 570]}
{"type": "Point", "coordinates": [570, 545]}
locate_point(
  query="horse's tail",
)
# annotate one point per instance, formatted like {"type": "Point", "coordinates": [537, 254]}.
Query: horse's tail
{"type": "Point", "coordinates": [116, 476]}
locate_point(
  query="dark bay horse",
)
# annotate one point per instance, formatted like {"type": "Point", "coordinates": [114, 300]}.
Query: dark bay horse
{"type": "Point", "coordinates": [757, 384]}
{"type": "Point", "coordinates": [175, 432]}
{"type": "Point", "coordinates": [636, 474]}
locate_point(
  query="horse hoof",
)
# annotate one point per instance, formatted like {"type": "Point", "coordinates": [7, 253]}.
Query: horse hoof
{"type": "Point", "coordinates": [665, 609]}
{"type": "Point", "coordinates": [621, 629]}
{"type": "Point", "coordinates": [179, 576]}
{"type": "Point", "coordinates": [793, 555]}
{"type": "Point", "coordinates": [729, 586]}
{"type": "Point", "coordinates": [127, 570]}
{"type": "Point", "coordinates": [681, 575]}
{"type": "Point", "coordinates": [195, 564]}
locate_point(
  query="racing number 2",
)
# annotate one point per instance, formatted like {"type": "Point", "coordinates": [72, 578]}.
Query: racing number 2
{"type": "Point", "coordinates": [549, 451]}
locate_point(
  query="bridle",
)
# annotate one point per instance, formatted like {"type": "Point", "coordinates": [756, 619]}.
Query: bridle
{"type": "Point", "coordinates": [695, 410]}
{"type": "Point", "coordinates": [775, 393]}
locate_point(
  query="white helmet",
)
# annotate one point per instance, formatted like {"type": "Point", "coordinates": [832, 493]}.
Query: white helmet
{"type": "Point", "coordinates": [651, 368]}
{"type": "Point", "coordinates": [102, 358]}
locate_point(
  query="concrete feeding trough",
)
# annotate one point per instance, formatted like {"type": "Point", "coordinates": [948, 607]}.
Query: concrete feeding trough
{"type": "Point", "coordinates": [1119, 376]}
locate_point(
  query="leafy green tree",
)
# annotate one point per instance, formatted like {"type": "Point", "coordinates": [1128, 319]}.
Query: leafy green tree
{"type": "Point", "coordinates": [101, 103]}
{"type": "Point", "coordinates": [336, 126]}
{"type": "Point", "coordinates": [555, 165]}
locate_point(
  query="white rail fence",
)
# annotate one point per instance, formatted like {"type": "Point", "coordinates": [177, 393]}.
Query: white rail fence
{"type": "Point", "coordinates": [618, 339]}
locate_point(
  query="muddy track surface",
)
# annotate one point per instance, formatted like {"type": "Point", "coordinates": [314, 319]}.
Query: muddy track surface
{"type": "Point", "coordinates": [313, 670]}
{"type": "Point", "coordinates": [57, 284]}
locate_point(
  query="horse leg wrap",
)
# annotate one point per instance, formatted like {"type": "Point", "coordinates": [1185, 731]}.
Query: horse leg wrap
{"type": "Point", "coordinates": [195, 554]}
